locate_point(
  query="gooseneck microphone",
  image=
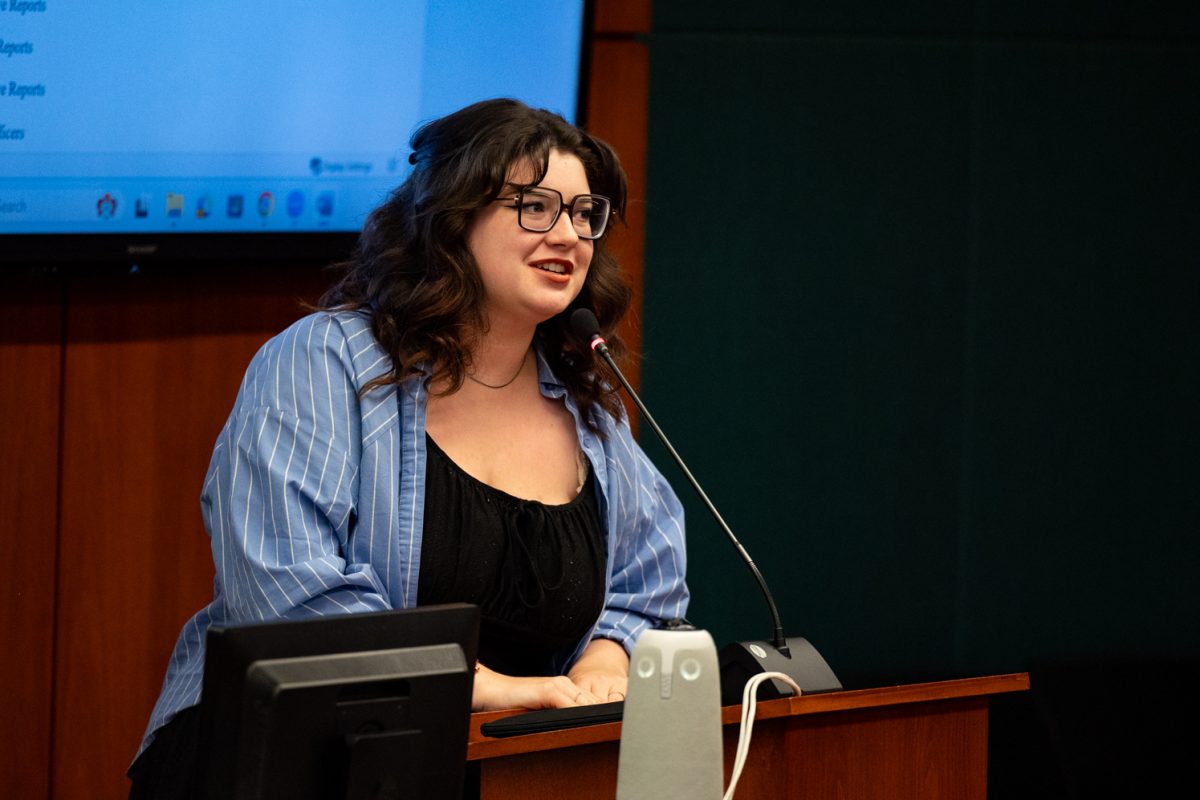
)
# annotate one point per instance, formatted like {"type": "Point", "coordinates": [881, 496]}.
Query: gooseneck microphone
{"type": "Point", "coordinates": [795, 656]}
{"type": "Point", "coordinates": [587, 327]}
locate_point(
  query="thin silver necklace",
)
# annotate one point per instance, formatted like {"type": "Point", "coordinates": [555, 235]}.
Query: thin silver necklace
{"type": "Point", "coordinates": [508, 382]}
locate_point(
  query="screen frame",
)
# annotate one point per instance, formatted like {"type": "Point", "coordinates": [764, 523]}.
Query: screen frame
{"type": "Point", "coordinates": [85, 253]}
{"type": "Point", "coordinates": [233, 650]}
{"type": "Point", "coordinates": [71, 251]}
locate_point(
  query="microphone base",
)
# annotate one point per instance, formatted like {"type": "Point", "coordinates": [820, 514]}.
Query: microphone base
{"type": "Point", "coordinates": [742, 660]}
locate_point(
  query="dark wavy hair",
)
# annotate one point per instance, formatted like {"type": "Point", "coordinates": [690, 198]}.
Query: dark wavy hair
{"type": "Point", "coordinates": [414, 274]}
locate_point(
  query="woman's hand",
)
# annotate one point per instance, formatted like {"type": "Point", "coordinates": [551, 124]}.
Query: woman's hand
{"type": "Point", "coordinates": [602, 670]}
{"type": "Point", "coordinates": [494, 692]}
{"type": "Point", "coordinates": [599, 676]}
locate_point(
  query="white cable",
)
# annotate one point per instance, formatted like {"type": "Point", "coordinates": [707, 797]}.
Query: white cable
{"type": "Point", "coordinates": [749, 704]}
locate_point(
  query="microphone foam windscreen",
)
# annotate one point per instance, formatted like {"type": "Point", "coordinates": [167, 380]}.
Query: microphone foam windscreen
{"type": "Point", "coordinates": [585, 324]}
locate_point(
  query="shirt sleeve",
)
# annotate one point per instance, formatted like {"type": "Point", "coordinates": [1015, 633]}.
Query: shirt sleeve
{"type": "Point", "coordinates": [279, 499]}
{"type": "Point", "coordinates": [649, 558]}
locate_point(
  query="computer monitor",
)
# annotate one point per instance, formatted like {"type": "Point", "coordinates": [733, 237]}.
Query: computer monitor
{"type": "Point", "coordinates": [352, 706]}
{"type": "Point", "coordinates": [162, 135]}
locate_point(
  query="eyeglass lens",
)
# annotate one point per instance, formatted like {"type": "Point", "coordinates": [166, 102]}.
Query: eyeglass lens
{"type": "Point", "coordinates": [539, 210]}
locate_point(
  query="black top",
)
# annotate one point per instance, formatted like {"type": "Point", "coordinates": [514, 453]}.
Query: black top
{"type": "Point", "coordinates": [536, 571]}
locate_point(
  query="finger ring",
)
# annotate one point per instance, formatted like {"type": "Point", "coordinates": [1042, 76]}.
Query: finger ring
{"type": "Point", "coordinates": [577, 698]}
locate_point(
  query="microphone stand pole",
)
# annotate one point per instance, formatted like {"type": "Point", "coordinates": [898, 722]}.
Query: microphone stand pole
{"type": "Point", "coordinates": [740, 660]}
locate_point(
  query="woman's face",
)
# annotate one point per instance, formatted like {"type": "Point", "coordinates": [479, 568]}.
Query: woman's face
{"type": "Point", "coordinates": [529, 277]}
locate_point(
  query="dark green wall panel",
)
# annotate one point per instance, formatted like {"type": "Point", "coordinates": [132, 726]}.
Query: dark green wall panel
{"type": "Point", "coordinates": [790, 17]}
{"type": "Point", "coordinates": [1070, 19]}
{"type": "Point", "coordinates": [806, 229]}
{"type": "Point", "coordinates": [1109, 20]}
{"type": "Point", "coordinates": [921, 291]}
{"type": "Point", "coordinates": [1082, 377]}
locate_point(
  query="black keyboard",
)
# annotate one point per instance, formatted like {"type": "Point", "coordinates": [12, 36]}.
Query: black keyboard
{"type": "Point", "coordinates": [553, 719]}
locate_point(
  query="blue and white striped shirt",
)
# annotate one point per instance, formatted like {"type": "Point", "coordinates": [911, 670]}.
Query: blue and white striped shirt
{"type": "Point", "coordinates": [314, 500]}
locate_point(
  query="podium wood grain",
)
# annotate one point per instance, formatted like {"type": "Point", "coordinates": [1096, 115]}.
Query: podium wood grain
{"type": "Point", "coordinates": [925, 741]}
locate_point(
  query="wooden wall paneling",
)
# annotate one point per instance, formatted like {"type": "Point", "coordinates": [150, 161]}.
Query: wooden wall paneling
{"type": "Point", "coordinates": [30, 369]}
{"type": "Point", "coordinates": [616, 112]}
{"type": "Point", "coordinates": [152, 369]}
{"type": "Point", "coordinates": [622, 16]}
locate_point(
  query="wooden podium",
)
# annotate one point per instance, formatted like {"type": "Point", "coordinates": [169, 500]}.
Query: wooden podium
{"type": "Point", "coordinates": [925, 741]}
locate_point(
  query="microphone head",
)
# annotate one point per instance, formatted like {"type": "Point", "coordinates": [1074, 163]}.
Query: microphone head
{"type": "Point", "coordinates": [585, 324]}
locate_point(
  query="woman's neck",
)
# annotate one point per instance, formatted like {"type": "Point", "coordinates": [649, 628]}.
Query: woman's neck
{"type": "Point", "coordinates": [499, 357]}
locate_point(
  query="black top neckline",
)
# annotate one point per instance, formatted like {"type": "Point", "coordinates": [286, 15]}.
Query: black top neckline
{"type": "Point", "coordinates": [503, 495]}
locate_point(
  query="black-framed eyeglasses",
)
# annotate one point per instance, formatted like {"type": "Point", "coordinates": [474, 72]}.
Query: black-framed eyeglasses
{"type": "Point", "coordinates": [538, 209]}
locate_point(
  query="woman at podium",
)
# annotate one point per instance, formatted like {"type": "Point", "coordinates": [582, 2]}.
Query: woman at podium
{"type": "Point", "coordinates": [436, 433]}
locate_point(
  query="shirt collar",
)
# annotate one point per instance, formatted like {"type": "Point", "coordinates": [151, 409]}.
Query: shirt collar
{"type": "Point", "coordinates": [550, 384]}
